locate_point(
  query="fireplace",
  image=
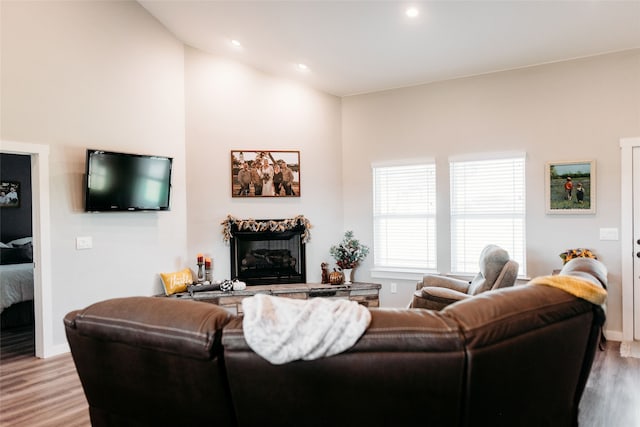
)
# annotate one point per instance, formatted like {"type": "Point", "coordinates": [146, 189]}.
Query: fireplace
{"type": "Point", "coordinates": [267, 257]}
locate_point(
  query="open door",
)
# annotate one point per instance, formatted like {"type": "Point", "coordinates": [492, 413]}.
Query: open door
{"type": "Point", "coordinates": [630, 213]}
{"type": "Point", "coordinates": [636, 244]}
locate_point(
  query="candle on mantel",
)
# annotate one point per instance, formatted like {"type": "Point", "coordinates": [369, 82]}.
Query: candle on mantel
{"type": "Point", "coordinates": [208, 273]}
{"type": "Point", "coordinates": [200, 258]}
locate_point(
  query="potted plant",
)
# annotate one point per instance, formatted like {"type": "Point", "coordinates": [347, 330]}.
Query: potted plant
{"type": "Point", "coordinates": [348, 253]}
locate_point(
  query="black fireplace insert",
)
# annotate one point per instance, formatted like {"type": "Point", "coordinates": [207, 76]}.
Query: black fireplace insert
{"type": "Point", "coordinates": [268, 257]}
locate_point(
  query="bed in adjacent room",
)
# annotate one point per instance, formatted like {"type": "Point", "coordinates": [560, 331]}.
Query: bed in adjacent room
{"type": "Point", "coordinates": [16, 282]}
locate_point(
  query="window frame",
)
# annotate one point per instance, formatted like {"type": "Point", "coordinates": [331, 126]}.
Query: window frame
{"type": "Point", "coordinates": [519, 214]}
{"type": "Point", "coordinates": [387, 270]}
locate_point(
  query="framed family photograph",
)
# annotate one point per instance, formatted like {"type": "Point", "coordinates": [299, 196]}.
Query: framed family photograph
{"type": "Point", "coordinates": [265, 173]}
{"type": "Point", "coordinates": [9, 194]}
{"type": "Point", "coordinates": [571, 187]}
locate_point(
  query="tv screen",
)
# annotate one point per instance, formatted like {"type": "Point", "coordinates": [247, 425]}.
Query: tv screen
{"type": "Point", "coordinates": [126, 182]}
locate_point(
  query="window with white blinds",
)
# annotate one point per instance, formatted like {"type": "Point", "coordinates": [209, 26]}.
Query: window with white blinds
{"type": "Point", "coordinates": [487, 206]}
{"type": "Point", "coordinates": [404, 216]}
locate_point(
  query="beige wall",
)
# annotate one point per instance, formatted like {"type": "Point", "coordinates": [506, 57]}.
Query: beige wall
{"type": "Point", "coordinates": [78, 75]}
{"type": "Point", "coordinates": [567, 111]}
{"type": "Point", "coordinates": [233, 107]}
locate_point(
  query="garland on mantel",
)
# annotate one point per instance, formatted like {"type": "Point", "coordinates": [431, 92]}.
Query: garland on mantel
{"type": "Point", "coordinates": [270, 225]}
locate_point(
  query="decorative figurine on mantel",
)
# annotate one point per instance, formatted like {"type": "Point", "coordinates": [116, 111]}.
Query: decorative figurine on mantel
{"type": "Point", "coordinates": [325, 272]}
{"type": "Point", "coordinates": [336, 277]}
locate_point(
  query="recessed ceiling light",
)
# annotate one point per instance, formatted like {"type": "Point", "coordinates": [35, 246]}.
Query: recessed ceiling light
{"type": "Point", "coordinates": [412, 12]}
{"type": "Point", "coordinates": [303, 67]}
{"type": "Point", "coordinates": [236, 43]}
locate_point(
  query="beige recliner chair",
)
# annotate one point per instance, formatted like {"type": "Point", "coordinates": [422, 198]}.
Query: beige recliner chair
{"type": "Point", "coordinates": [497, 270]}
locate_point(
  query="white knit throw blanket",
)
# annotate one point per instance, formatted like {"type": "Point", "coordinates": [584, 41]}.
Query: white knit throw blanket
{"type": "Point", "coordinates": [283, 329]}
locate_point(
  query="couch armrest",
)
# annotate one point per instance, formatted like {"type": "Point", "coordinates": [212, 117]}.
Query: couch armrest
{"type": "Point", "coordinates": [588, 269]}
{"type": "Point", "coordinates": [149, 361]}
{"type": "Point", "coordinates": [536, 338]}
{"type": "Point", "coordinates": [165, 324]}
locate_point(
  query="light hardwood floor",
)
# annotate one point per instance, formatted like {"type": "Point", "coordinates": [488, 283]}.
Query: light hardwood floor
{"type": "Point", "coordinates": [47, 392]}
{"type": "Point", "coordinates": [38, 392]}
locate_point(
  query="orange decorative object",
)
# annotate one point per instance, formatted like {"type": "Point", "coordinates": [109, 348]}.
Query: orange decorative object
{"type": "Point", "coordinates": [336, 277]}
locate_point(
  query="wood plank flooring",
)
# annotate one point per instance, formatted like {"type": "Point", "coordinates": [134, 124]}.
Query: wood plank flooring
{"type": "Point", "coordinates": [38, 392]}
{"type": "Point", "coordinates": [612, 395]}
{"type": "Point", "coordinates": [47, 392]}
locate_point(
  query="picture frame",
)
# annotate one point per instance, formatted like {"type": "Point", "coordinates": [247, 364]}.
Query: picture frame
{"type": "Point", "coordinates": [570, 187]}
{"type": "Point", "coordinates": [265, 173]}
{"type": "Point", "coordinates": [10, 194]}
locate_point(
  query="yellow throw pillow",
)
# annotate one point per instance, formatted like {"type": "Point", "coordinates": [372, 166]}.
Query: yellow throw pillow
{"type": "Point", "coordinates": [176, 282]}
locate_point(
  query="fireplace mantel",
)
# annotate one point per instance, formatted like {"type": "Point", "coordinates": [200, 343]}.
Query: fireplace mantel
{"type": "Point", "coordinates": [230, 223]}
{"type": "Point", "coordinates": [366, 294]}
{"type": "Point", "coordinates": [267, 252]}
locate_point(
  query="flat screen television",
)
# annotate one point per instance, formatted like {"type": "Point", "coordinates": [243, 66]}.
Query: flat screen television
{"type": "Point", "coordinates": [126, 182]}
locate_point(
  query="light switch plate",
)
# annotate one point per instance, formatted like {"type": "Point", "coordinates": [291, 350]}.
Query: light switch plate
{"type": "Point", "coordinates": [609, 234]}
{"type": "Point", "coordinates": [84, 242]}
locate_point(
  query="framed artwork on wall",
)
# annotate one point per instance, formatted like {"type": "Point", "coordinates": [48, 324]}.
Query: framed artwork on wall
{"type": "Point", "coordinates": [570, 187]}
{"type": "Point", "coordinates": [259, 173]}
{"type": "Point", "coordinates": [9, 194]}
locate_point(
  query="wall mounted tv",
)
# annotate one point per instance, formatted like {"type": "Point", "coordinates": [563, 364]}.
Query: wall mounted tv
{"type": "Point", "coordinates": [126, 182]}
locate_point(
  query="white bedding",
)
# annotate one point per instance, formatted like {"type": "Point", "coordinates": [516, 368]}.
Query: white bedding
{"type": "Point", "coordinates": [16, 284]}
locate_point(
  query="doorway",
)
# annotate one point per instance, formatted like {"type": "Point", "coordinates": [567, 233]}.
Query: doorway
{"type": "Point", "coordinates": [40, 220]}
{"type": "Point", "coordinates": [630, 221]}
{"type": "Point", "coordinates": [16, 258]}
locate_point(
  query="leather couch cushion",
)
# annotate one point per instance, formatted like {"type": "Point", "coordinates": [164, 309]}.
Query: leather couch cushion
{"type": "Point", "coordinates": [408, 366]}
{"type": "Point", "coordinates": [389, 330]}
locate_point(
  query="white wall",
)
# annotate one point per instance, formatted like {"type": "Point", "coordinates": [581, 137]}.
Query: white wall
{"type": "Point", "coordinates": [78, 75]}
{"type": "Point", "coordinates": [233, 107]}
{"type": "Point", "coordinates": [567, 111]}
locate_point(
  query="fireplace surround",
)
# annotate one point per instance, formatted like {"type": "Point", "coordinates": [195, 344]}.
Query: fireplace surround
{"type": "Point", "coordinates": [268, 255]}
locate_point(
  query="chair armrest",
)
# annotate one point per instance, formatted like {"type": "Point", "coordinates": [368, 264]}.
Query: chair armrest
{"type": "Point", "coordinates": [435, 298]}
{"type": "Point", "coordinates": [443, 282]}
{"type": "Point", "coordinates": [450, 295]}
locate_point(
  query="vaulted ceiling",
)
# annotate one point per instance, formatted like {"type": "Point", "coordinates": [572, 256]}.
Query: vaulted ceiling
{"type": "Point", "coordinates": [353, 47]}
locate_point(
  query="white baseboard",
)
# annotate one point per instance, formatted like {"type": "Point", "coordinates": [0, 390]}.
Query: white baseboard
{"type": "Point", "coordinates": [627, 348]}
{"type": "Point", "coordinates": [57, 350]}
{"type": "Point", "coordinates": [613, 335]}
{"type": "Point", "coordinates": [630, 349]}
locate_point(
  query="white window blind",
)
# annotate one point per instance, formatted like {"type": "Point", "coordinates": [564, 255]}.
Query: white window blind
{"type": "Point", "coordinates": [487, 206]}
{"type": "Point", "coordinates": [404, 216]}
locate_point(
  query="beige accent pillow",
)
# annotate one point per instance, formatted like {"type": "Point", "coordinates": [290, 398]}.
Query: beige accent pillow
{"type": "Point", "coordinates": [176, 282]}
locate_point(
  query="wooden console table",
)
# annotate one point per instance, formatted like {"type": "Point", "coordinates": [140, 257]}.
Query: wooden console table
{"type": "Point", "coordinates": [366, 294]}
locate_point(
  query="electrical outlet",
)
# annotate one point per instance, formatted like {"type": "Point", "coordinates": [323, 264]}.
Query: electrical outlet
{"type": "Point", "coordinates": [394, 288]}
{"type": "Point", "coordinates": [85, 242]}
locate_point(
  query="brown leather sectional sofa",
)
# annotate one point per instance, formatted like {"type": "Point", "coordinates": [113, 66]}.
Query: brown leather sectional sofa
{"type": "Point", "coordinates": [512, 357]}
